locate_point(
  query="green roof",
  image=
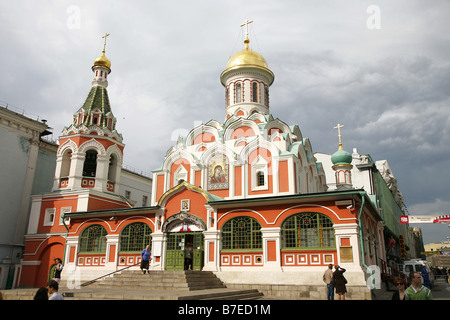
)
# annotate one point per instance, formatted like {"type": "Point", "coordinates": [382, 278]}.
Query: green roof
{"type": "Point", "coordinates": [97, 99]}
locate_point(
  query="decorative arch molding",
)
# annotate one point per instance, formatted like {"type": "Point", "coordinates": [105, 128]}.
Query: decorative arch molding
{"type": "Point", "coordinates": [134, 219]}
{"type": "Point", "coordinates": [257, 143]}
{"type": "Point", "coordinates": [176, 154]}
{"type": "Point", "coordinates": [297, 133]}
{"type": "Point", "coordinates": [95, 129]}
{"type": "Point", "coordinates": [92, 144]}
{"type": "Point", "coordinates": [276, 136]}
{"type": "Point", "coordinates": [309, 207]}
{"type": "Point", "coordinates": [255, 115]}
{"type": "Point", "coordinates": [114, 149]}
{"type": "Point", "coordinates": [190, 138]}
{"type": "Point", "coordinates": [83, 129]}
{"type": "Point", "coordinates": [215, 124]}
{"type": "Point", "coordinates": [240, 122]}
{"type": "Point", "coordinates": [216, 149]}
{"type": "Point", "coordinates": [277, 124]}
{"type": "Point", "coordinates": [248, 212]}
{"type": "Point", "coordinates": [239, 141]}
{"type": "Point", "coordinates": [201, 147]}
{"type": "Point", "coordinates": [298, 149]}
{"type": "Point", "coordinates": [284, 214]}
{"type": "Point", "coordinates": [88, 223]}
{"type": "Point", "coordinates": [44, 243]}
{"type": "Point", "coordinates": [69, 144]}
{"type": "Point", "coordinates": [180, 187]}
{"type": "Point", "coordinates": [308, 148]}
{"type": "Point", "coordinates": [181, 219]}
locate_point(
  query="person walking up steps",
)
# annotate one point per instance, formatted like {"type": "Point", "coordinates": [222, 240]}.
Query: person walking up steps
{"type": "Point", "coordinates": [145, 262]}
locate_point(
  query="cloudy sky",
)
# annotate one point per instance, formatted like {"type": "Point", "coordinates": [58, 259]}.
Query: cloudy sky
{"type": "Point", "coordinates": [381, 68]}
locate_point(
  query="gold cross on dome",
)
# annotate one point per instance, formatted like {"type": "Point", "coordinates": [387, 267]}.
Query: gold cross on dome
{"type": "Point", "coordinates": [104, 41]}
{"type": "Point", "coordinates": [246, 23]}
{"type": "Point", "coordinates": [339, 126]}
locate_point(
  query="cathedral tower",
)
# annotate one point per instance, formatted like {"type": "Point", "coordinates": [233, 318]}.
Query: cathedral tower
{"type": "Point", "coordinates": [246, 79]}
{"type": "Point", "coordinates": [91, 150]}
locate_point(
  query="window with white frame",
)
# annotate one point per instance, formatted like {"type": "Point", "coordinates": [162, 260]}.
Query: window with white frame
{"type": "Point", "coordinates": [180, 175]}
{"type": "Point", "coordinates": [49, 217]}
{"type": "Point", "coordinates": [260, 174]}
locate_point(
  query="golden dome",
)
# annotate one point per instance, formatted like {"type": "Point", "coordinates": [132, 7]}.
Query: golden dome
{"type": "Point", "coordinates": [102, 61]}
{"type": "Point", "coordinates": [247, 58]}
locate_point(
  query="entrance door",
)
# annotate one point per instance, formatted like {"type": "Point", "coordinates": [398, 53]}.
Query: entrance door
{"type": "Point", "coordinates": [178, 245]}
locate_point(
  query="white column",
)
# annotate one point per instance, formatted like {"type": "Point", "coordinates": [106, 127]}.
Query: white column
{"type": "Point", "coordinates": [212, 250]}
{"type": "Point", "coordinates": [101, 174]}
{"type": "Point", "coordinates": [112, 240]}
{"type": "Point", "coordinates": [76, 170]}
{"type": "Point", "coordinates": [271, 241]}
{"type": "Point", "coordinates": [348, 231]}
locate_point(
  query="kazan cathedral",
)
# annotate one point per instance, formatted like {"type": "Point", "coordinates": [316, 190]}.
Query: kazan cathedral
{"type": "Point", "coordinates": [246, 195]}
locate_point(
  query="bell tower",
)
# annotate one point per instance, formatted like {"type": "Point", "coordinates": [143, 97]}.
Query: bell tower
{"type": "Point", "coordinates": [90, 149]}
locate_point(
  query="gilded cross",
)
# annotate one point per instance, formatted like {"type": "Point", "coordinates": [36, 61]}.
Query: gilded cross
{"type": "Point", "coordinates": [104, 41]}
{"type": "Point", "coordinates": [246, 23]}
{"type": "Point", "coordinates": [339, 126]}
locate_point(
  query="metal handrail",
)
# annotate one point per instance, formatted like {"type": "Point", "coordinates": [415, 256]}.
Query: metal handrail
{"type": "Point", "coordinates": [106, 275]}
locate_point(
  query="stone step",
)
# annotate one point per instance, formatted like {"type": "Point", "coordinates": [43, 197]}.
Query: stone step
{"type": "Point", "coordinates": [158, 285]}
{"type": "Point", "coordinates": [210, 294]}
{"type": "Point", "coordinates": [162, 280]}
{"type": "Point", "coordinates": [19, 294]}
{"type": "Point", "coordinates": [227, 295]}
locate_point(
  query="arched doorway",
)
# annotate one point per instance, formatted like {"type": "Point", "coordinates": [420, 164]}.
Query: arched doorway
{"type": "Point", "coordinates": [184, 242]}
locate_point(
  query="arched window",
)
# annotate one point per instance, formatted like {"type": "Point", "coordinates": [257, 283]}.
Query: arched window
{"type": "Point", "coordinates": [238, 92]}
{"type": "Point", "coordinates": [90, 164]}
{"type": "Point", "coordinates": [112, 168]}
{"type": "Point", "coordinates": [227, 96]}
{"type": "Point", "coordinates": [93, 239]}
{"type": "Point", "coordinates": [241, 233]}
{"type": "Point", "coordinates": [266, 96]}
{"type": "Point", "coordinates": [308, 230]}
{"type": "Point", "coordinates": [65, 165]}
{"type": "Point", "coordinates": [254, 92]}
{"type": "Point", "coordinates": [135, 237]}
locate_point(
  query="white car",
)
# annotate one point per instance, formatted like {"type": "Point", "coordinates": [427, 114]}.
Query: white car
{"type": "Point", "coordinates": [416, 266]}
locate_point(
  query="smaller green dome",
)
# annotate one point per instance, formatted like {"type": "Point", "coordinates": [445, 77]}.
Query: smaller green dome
{"type": "Point", "coordinates": [341, 157]}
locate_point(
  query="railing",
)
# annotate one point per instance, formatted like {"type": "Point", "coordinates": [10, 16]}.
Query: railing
{"type": "Point", "coordinates": [106, 275]}
{"type": "Point", "coordinates": [389, 272]}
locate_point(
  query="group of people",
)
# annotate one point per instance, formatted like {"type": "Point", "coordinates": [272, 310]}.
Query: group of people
{"type": "Point", "coordinates": [335, 280]}
{"type": "Point", "coordinates": [416, 291]}
{"type": "Point", "coordinates": [50, 292]}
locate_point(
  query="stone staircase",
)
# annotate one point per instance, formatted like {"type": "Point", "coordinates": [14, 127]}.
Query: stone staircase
{"type": "Point", "coordinates": [162, 280]}
{"type": "Point", "coordinates": [158, 285]}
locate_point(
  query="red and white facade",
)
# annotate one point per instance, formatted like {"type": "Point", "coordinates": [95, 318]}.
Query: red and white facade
{"type": "Point", "coordinates": [248, 193]}
{"type": "Point", "coordinates": [87, 177]}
